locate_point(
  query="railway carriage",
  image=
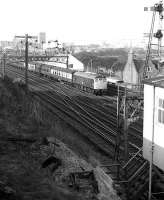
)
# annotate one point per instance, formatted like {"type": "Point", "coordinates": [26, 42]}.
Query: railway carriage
{"type": "Point", "coordinates": [19, 65]}
{"type": "Point", "coordinates": [31, 67]}
{"type": "Point", "coordinates": [45, 70]}
{"type": "Point", "coordinates": [90, 82]}
{"type": "Point", "coordinates": [38, 67]}
{"type": "Point", "coordinates": [62, 74]}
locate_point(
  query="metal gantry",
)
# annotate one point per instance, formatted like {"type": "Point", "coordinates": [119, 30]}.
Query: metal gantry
{"type": "Point", "coordinates": [128, 111]}
{"type": "Point", "coordinates": [157, 8]}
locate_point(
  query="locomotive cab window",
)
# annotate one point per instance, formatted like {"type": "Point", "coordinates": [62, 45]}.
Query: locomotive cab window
{"type": "Point", "coordinates": [161, 111]}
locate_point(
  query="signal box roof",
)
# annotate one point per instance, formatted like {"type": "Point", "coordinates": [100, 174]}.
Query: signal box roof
{"type": "Point", "coordinates": [156, 81]}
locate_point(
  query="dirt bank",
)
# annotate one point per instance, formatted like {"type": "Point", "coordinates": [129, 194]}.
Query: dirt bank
{"type": "Point", "coordinates": [22, 129]}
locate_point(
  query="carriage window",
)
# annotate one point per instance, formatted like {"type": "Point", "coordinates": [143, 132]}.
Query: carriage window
{"type": "Point", "coordinates": [161, 111]}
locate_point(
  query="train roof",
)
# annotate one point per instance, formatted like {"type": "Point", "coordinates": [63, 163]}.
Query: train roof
{"type": "Point", "coordinates": [89, 75]}
{"type": "Point", "coordinates": [53, 63]}
{"type": "Point", "coordinates": [114, 79]}
{"type": "Point", "coordinates": [58, 68]}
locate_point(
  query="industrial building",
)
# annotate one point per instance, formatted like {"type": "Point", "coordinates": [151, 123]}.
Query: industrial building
{"type": "Point", "coordinates": [67, 61]}
{"type": "Point", "coordinates": [132, 71]}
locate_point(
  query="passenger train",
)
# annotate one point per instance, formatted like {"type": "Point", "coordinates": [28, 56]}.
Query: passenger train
{"type": "Point", "coordinates": [87, 81]}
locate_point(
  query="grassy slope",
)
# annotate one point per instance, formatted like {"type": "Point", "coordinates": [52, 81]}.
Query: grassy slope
{"type": "Point", "coordinates": [20, 162]}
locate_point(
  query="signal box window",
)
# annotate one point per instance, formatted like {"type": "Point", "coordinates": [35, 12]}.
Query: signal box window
{"type": "Point", "coordinates": [161, 111]}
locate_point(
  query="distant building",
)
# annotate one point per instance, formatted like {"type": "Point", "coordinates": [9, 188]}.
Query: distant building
{"type": "Point", "coordinates": [132, 70]}
{"type": "Point", "coordinates": [20, 43]}
{"type": "Point", "coordinates": [42, 37]}
{"type": "Point", "coordinates": [73, 63]}
{"type": "Point", "coordinates": [6, 44]}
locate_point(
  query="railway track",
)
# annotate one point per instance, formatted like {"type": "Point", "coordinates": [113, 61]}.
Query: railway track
{"type": "Point", "coordinates": [65, 105]}
{"type": "Point", "coordinates": [99, 120]}
{"type": "Point", "coordinates": [102, 118]}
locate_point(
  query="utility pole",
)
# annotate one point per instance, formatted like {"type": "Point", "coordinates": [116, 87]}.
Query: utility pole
{"type": "Point", "coordinates": [26, 60]}
{"type": "Point", "coordinates": [91, 65]}
{"type": "Point", "coordinates": [117, 146]}
{"type": "Point", "coordinates": [26, 55]}
{"type": "Point", "coordinates": [125, 126]}
{"type": "Point", "coordinates": [67, 60]}
{"type": "Point", "coordinates": [4, 64]}
{"type": "Point", "coordinates": [152, 150]}
{"type": "Point", "coordinates": [122, 100]}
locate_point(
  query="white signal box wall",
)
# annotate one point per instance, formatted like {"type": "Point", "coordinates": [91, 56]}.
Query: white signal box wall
{"type": "Point", "coordinates": [154, 97]}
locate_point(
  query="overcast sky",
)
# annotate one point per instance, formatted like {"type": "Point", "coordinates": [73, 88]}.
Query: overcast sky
{"type": "Point", "coordinates": [79, 21]}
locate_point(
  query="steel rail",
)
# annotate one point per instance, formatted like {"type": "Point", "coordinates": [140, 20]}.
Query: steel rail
{"type": "Point", "coordinates": [84, 117]}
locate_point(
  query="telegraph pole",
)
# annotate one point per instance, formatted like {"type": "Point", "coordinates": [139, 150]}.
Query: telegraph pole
{"type": "Point", "coordinates": [91, 65]}
{"type": "Point", "coordinates": [125, 126]}
{"type": "Point", "coordinates": [117, 146]}
{"type": "Point", "coordinates": [4, 65]}
{"type": "Point", "coordinates": [67, 60]}
{"type": "Point", "coordinates": [26, 60]}
{"type": "Point", "coordinates": [26, 55]}
{"type": "Point", "coordinates": [152, 150]}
